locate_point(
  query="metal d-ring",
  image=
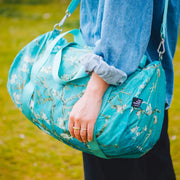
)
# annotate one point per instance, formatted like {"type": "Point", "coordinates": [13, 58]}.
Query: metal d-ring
{"type": "Point", "coordinates": [161, 48]}
{"type": "Point", "coordinates": [61, 23]}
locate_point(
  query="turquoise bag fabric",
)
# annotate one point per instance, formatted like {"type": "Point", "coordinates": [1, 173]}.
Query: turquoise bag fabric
{"type": "Point", "coordinates": [47, 78]}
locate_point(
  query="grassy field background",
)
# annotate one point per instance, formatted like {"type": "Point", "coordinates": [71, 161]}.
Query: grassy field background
{"type": "Point", "coordinates": [25, 152]}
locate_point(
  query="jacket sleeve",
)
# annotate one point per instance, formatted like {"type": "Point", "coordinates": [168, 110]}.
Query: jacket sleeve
{"type": "Point", "coordinates": [125, 33]}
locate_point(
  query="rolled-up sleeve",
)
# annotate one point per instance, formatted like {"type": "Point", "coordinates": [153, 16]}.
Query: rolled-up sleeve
{"type": "Point", "coordinates": [125, 33]}
{"type": "Point", "coordinates": [109, 74]}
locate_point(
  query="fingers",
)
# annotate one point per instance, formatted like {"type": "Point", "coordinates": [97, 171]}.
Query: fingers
{"type": "Point", "coordinates": [90, 131]}
{"type": "Point", "coordinates": [70, 127]}
{"type": "Point", "coordinates": [81, 130]}
{"type": "Point", "coordinates": [74, 127]}
{"type": "Point", "coordinates": [83, 133]}
{"type": "Point", "coordinates": [77, 128]}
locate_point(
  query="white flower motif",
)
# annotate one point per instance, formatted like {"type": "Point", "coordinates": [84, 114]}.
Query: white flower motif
{"type": "Point", "coordinates": [138, 113]}
{"type": "Point", "coordinates": [25, 68]}
{"type": "Point", "coordinates": [54, 92]}
{"type": "Point", "coordinates": [120, 108]}
{"type": "Point", "coordinates": [155, 119]}
{"type": "Point", "coordinates": [138, 133]}
{"type": "Point", "coordinates": [61, 123]}
{"type": "Point", "coordinates": [16, 98]}
{"type": "Point", "coordinates": [66, 136]}
{"type": "Point", "coordinates": [37, 116]}
{"type": "Point", "coordinates": [48, 121]}
{"type": "Point", "coordinates": [46, 69]}
{"type": "Point", "coordinates": [28, 59]}
{"type": "Point", "coordinates": [44, 117]}
{"type": "Point", "coordinates": [134, 130]}
{"type": "Point", "coordinates": [13, 78]}
{"type": "Point", "coordinates": [65, 77]}
{"type": "Point", "coordinates": [145, 128]}
{"type": "Point", "coordinates": [149, 109]}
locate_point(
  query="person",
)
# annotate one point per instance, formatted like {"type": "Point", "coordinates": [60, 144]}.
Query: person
{"type": "Point", "coordinates": [121, 32]}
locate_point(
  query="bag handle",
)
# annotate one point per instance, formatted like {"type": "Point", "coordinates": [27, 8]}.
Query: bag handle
{"type": "Point", "coordinates": [57, 64]}
{"type": "Point", "coordinates": [58, 58]}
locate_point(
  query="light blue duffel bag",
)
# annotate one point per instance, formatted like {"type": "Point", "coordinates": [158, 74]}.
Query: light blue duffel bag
{"type": "Point", "coordinates": [47, 78]}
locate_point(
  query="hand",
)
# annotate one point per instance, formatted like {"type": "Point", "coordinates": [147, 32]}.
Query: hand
{"type": "Point", "coordinates": [84, 115]}
{"type": "Point", "coordinates": [86, 110]}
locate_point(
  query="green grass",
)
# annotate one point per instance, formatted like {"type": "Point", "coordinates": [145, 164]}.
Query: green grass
{"type": "Point", "coordinates": [26, 153]}
{"type": "Point", "coordinates": [174, 115]}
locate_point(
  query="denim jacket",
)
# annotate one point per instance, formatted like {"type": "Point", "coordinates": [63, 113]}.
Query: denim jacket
{"type": "Point", "coordinates": [121, 32]}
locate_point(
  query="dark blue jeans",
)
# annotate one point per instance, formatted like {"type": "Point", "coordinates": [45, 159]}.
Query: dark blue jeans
{"type": "Point", "coordinates": [155, 165]}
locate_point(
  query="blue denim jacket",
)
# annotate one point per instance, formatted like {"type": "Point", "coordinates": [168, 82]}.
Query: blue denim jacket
{"type": "Point", "coordinates": [121, 32]}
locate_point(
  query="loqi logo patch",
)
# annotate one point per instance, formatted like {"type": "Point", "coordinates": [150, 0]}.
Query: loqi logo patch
{"type": "Point", "coordinates": [136, 102]}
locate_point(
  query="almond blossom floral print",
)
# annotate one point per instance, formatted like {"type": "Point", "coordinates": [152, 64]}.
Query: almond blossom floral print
{"type": "Point", "coordinates": [13, 79]}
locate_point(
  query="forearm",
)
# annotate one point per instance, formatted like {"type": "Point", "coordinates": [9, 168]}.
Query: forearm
{"type": "Point", "coordinates": [96, 86]}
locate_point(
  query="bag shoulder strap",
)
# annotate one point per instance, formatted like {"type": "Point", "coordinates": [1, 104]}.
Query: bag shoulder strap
{"type": "Point", "coordinates": [161, 48]}
{"type": "Point", "coordinates": [73, 5]}
{"type": "Point", "coordinates": [164, 21]}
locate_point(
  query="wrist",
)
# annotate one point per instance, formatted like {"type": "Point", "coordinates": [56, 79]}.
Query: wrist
{"type": "Point", "coordinates": [96, 86]}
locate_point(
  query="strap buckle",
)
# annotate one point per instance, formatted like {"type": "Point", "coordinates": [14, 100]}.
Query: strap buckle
{"type": "Point", "coordinates": [61, 23]}
{"type": "Point", "coordinates": [161, 48]}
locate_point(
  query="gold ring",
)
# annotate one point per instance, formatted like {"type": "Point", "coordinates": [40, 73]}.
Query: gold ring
{"type": "Point", "coordinates": [76, 128]}
{"type": "Point", "coordinates": [84, 129]}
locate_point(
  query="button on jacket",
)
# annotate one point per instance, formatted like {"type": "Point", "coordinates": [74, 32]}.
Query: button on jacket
{"type": "Point", "coordinates": [121, 32]}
